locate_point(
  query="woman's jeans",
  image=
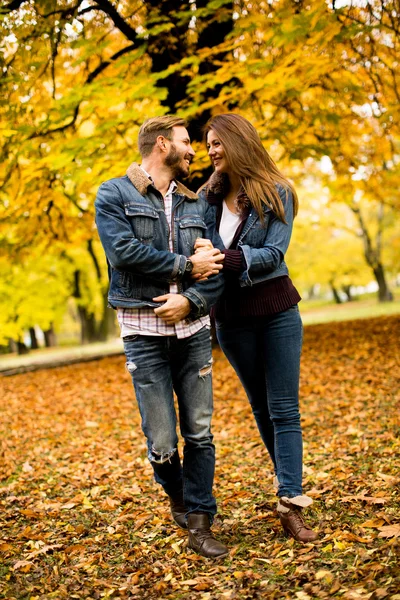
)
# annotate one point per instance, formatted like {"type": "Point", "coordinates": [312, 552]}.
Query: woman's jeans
{"type": "Point", "coordinates": [159, 366]}
{"type": "Point", "coordinates": [265, 353]}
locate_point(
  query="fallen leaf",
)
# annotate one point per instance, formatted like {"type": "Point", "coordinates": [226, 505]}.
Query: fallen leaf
{"type": "Point", "coordinates": [388, 531]}
{"type": "Point", "coordinates": [373, 523]}
{"type": "Point", "coordinates": [23, 565]}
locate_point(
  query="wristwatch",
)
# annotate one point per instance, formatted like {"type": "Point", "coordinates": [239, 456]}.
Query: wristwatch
{"type": "Point", "coordinates": [188, 266]}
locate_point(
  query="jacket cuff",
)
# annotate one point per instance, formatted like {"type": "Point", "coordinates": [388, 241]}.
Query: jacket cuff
{"type": "Point", "coordinates": [233, 260]}
{"type": "Point", "coordinates": [179, 267]}
{"type": "Point", "coordinates": [197, 303]}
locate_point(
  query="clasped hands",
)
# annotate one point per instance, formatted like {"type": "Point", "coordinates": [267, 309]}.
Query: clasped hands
{"type": "Point", "coordinates": [207, 261]}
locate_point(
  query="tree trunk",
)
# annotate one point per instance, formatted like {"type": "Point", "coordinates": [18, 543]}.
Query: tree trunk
{"type": "Point", "coordinates": [107, 328]}
{"type": "Point", "coordinates": [311, 292]}
{"type": "Point", "coordinates": [12, 344]}
{"type": "Point", "coordinates": [175, 44]}
{"type": "Point", "coordinates": [335, 293]}
{"type": "Point", "coordinates": [384, 293]}
{"type": "Point", "coordinates": [21, 348]}
{"type": "Point", "coordinates": [89, 331]}
{"type": "Point", "coordinates": [347, 290]}
{"type": "Point", "coordinates": [50, 339]}
{"type": "Point", "coordinates": [373, 253]}
{"type": "Point", "coordinates": [169, 48]}
{"type": "Point", "coordinates": [211, 35]}
{"type": "Point", "coordinates": [34, 342]}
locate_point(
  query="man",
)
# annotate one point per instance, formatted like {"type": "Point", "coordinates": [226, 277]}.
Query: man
{"type": "Point", "coordinates": [148, 223]}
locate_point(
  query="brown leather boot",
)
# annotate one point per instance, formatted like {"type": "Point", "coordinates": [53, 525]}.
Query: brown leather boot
{"type": "Point", "coordinates": [290, 514]}
{"type": "Point", "coordinates": [178, 510]}
{"type": "Point", "coordinates": [201, 539]}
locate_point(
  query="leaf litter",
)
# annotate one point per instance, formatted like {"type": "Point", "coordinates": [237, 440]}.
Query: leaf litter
{"type": "Point", "coordinates": [82, 518]}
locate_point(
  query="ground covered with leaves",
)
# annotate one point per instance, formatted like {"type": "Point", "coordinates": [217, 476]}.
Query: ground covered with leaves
{"type": "Point", "coordinates": [80, 516]}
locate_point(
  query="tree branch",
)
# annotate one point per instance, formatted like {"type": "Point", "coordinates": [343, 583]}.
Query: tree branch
{"type": "Point", "coordinates": [119, 22]}
{"type": "Point", "coordinates": [370, 253]}
{"type": "Point", "coordinates": [94, 259]}
{"type": "Point", "coordinates": [57, 129]}
{"type": "Point", "coordinates": [14, 5]}
{"type": "Point", "coordinates": [103, 65]}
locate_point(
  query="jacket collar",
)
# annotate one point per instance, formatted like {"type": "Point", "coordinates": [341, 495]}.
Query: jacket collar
{"type": "Point", "coordinates": [217, 184]}
{"type": "Point", "coordinates": [217, 187]}
{"type": "Point", "coordinates": [141, 182]}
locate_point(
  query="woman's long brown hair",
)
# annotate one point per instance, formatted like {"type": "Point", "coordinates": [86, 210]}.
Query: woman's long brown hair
{"type": "Point", "coordinates": [247, 157]}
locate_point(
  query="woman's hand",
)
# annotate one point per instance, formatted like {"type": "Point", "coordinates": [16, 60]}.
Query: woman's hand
{"type": "Point", "coordinates": [206, 263]}
{"type": "Point", "coordinates": [202, 244]}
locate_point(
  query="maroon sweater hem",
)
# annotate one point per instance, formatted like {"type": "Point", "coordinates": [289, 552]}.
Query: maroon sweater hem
{"type": "Point", "coordinates": [260, 300]}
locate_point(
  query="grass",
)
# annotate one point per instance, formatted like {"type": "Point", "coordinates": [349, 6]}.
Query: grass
{"type": "Point", "coordinates": [366, 307]}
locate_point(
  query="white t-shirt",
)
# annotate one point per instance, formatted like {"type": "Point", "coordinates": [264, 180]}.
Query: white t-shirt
{"type": "Point", "coordinates": [229, 223]}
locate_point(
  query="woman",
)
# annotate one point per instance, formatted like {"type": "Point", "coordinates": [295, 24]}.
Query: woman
{"type": "Point", "coordinates": [257, 319]}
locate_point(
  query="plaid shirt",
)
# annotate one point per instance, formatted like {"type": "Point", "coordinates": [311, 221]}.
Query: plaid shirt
{"type": "Point", "coordinates": [143, 321]}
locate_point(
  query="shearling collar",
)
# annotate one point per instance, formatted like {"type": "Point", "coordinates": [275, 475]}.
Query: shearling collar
{"type": "Point", "coordinates": [217, 184]}
{"type": "Point", "coordinates": [142, 182]}
{"type": "Point", "coordinates": [217, 187]}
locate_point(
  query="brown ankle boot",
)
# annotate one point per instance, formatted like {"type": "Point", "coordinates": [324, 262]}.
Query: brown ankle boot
{"type": "Point", "coordinates": [201, 539]}
{"type": "Point", "coordinates": [178, 510]}
{"type": "Point", "coordinates": [289, 511]}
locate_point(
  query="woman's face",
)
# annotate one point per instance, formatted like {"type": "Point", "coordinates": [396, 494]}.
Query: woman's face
{"type": "Point", "coordinates": [216, 152]}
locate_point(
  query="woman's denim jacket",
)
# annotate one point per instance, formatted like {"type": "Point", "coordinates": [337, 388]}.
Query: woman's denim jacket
{"type": "Point", "coordinates": [133, 229]}
{"type": "Point", "coordinates": [263, 245]}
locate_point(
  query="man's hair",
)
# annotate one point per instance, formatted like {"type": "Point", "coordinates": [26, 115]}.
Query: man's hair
{"type": "Point", "coordinates": [152, 128]}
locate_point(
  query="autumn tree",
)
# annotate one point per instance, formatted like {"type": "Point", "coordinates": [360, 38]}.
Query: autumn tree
{"type": "Point", "coordinates": [78, 81]}
{"type": "Point", "coordinates": [79, 78]}
{"type": "Point", "coordinates": [32, 293]}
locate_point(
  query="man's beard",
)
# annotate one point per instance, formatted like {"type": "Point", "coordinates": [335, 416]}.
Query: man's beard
{"type": "Point", "coordinates": [174, 162]}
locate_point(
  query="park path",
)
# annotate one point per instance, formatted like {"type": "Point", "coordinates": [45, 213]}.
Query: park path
{"type": "Point", "coordinates": [58, 357]}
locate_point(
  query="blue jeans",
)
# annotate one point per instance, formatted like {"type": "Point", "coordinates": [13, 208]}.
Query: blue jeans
{"type": "Point", "coordinates": [159, 366]}
{"type": "Point", "coordinates": [265, 353]}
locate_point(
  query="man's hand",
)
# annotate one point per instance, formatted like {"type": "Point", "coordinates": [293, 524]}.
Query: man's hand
{"type": "Point", "coordinates": [176, 308]}
{"type": "Point", "coordinates": [202, 244]}
{"type": "Point", "coordinates": [206, 263]}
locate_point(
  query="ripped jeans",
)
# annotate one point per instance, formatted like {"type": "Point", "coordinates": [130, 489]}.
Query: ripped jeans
{"type": "Point", "coordinates": [159, 366]}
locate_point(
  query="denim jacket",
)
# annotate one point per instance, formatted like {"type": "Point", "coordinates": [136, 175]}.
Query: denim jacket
{"type": "Point", "coordinates": [263, 245]}
{"type": "Point", "coordinates": [134, 231]}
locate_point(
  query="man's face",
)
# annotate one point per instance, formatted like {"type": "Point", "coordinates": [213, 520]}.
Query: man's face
{"type": "Point", "coordinates": [180, 153]}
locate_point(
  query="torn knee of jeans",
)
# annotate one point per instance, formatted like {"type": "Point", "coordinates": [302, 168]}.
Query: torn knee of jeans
{"type": "Point", "coordinates": [161, 457]}
{"type": "Point", "coordinates": [206, 370]}
{"type": "Point", "coordinates": [131, 366]}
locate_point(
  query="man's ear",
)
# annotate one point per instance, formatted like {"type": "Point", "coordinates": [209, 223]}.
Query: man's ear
{"type": "Point", "coordinates": [162, 143]}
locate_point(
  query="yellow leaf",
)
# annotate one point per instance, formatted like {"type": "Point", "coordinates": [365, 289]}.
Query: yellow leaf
{"type": "Point", "coordinates": [327, 548]}
{"type": "Point", "coordinates": [373, 523]}
{"type": "Point", "coordinates": [176, 547]}
{"type": "Point", "coordinates": [86, 503]}
{"type": "Point", "coordinates": [324, 574]}
{"type": "Point", "coordinates": [238, 574]}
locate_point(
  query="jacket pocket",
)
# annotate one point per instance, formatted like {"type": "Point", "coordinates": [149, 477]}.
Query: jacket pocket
{"type": "Point", "coordinates": [255, 237]}
{"type": "Point", "coordinates": [143, 219]}
{"type": "Point", "coordinates": [127, 285]}
{"type": "Point", "coordinates": [191, 227]}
